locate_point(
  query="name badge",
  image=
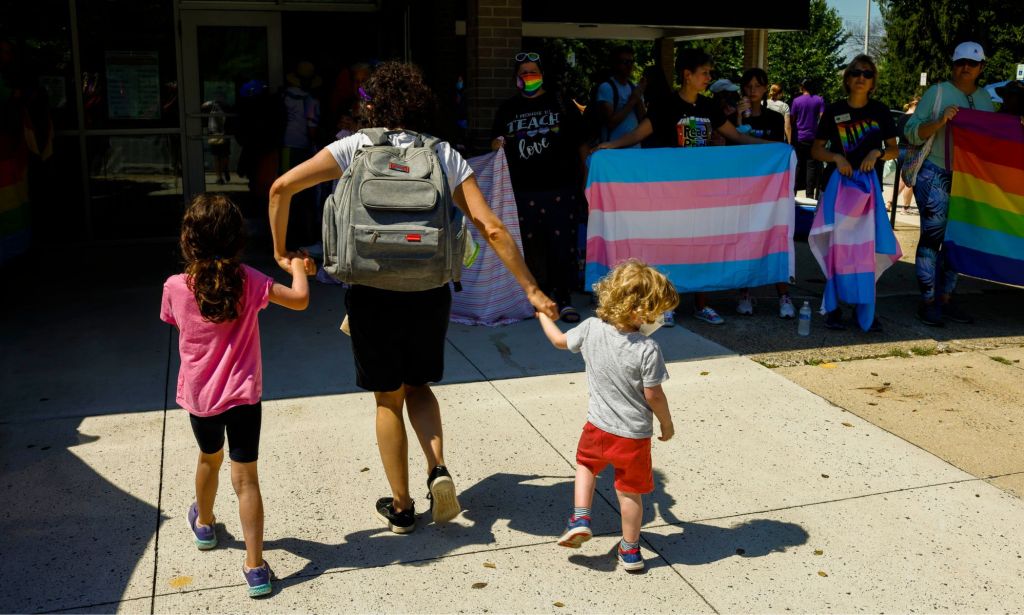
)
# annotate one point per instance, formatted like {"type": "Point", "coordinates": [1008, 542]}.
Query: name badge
{"type": "Point", "coordinates": [842, 118]}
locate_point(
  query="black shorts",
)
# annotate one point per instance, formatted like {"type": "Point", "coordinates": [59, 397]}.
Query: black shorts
{"type": "Point", "coordinates": [243, 427]}
{"type": "Point", "coordinates": [398, 337]}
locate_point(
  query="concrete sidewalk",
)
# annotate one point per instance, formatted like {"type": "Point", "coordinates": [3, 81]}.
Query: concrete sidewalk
{"type": "Point", "coordinates": [770, 499]}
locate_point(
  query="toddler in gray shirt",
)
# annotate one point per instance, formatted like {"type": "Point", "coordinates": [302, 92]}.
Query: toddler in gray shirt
{"type": "Point", "coordinates": [625, 370]}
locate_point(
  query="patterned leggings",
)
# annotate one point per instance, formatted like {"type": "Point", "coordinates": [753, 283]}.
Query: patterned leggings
{"type": "Point", "coordinates": [934, 272]}
{"type": "Point", "coordinates": [548, 222]}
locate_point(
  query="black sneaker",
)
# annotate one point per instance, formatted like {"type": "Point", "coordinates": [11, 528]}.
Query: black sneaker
{"type": "Point", "coordinates": [930, 314]}
{"type": "Point", "coordinates": [952, 312]}
{"type": "Point", "coordinates": [402, 522]}
{"type": "Point", "coordinates": [444, 504]}
{"type": "Point", "coordinates": [834, 320]}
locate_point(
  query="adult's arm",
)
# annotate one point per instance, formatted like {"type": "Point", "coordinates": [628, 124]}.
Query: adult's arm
{"type": "Point", "coordinates": [638, 134]}
{"type": "Point", "coordinates": [789, 128]}
{"type": "Point", "coordinates": [472, 203]}
{"type": "Point", "coordinates": [613, 118]}
{"type": "Point", "coordinates": [320, 168]}
{"type": "Point", "coordinates": [729, 132]}
{"type": "Point", "coordinates": [921, 126]}
{"type": "Point", "coordinates": [819, 153]}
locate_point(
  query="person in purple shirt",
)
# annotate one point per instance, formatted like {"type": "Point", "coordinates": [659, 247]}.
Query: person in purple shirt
{"type": "Point", "coordinates": [805, 112]}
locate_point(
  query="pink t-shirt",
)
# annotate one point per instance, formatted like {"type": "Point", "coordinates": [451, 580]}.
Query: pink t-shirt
{"type": "Point", "coordinates": [221, 366]}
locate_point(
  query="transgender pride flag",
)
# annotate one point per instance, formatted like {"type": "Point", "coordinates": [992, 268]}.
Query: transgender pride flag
{"type": "Point", "coordinates": [709, 218]}
{"type": "Point", "coordinates": [985, 228]}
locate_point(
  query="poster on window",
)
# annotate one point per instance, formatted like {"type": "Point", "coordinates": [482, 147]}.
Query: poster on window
{"type": "Point", "coordinates": [133, 85]}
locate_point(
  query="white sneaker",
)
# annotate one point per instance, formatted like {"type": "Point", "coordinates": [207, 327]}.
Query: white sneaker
{"type": "Point", "coordinates": [745, 305]}
{"type": "Point", "coordinates": [670, 319]}
{"type": "Point", "coordinates": [786, 307]}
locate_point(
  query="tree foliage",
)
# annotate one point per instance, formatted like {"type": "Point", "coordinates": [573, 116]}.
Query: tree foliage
{"type": "Point", "coordinates": [817, 53]}
{"type": "Point", "coordinates": [921, 36]}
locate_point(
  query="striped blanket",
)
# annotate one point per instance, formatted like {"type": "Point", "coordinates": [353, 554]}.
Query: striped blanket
{"type": "Point", "coordinates": [853, 242]}
{"type": "Point", "coordinates": [985, 229]}
{"type": "Point", "coordinates": [490, 295]}
{"type": "Point", "coordinates": [709, 218]}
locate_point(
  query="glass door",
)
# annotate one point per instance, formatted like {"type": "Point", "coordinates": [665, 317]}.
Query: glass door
{"type": "Point", "coordinates": [232, 70]}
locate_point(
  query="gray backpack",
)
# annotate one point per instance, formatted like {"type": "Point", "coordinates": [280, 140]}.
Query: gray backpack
{"type": "Point", "coordinates": [391, 222]}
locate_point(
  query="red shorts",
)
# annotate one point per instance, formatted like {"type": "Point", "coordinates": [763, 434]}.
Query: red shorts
{"type": "Point", "coordinates": [631, 458]}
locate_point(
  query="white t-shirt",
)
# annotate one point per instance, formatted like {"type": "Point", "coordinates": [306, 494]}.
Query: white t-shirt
{"type": "Point", "coordinates": [455, 167]}
{"type": "Point", "coordinates": [778, 106]}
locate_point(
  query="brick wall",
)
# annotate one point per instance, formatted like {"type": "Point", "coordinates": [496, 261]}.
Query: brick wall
{"type": "Point", "coordinates": [494, 34]}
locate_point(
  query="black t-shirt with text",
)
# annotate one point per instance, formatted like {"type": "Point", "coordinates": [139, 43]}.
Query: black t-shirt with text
{"type": "Point", "coordinates": [770, 125]}
{"type": "Point", "coordinates": [685, 124]}
{"type": "Point", "coordinates": [542, 140]}
{"type": "Point", "coordinates": [855, 133]}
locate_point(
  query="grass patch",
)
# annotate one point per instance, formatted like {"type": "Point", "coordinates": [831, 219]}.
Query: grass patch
{"type": "Point", "coordinates": [814, 362]}
{"type": "Point", "coordinates": [1002, 360]}
{"type": "Point", "coordinates": [924, 351]}
{"type": "Point", "coordinates": [900, 353]}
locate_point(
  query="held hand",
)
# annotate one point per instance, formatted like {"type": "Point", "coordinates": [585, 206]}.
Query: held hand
{"type": "Point", "coordinates": [284, 261]}
{"type": "Point", "coordinates": [843, 166]}
{"type": "Point", "coordinates": [743, 106]}
{"type": "Point", "coordinates": [309, 266]}
{"type": "Point", "coordinates": [543, 304]}
{"type": "Point", "coordinates": [667, 431]}
{"type": "Point", "coordinates": [638, 92]}
{"type": "Point", "coordinates": [497, 144]}
{"type": "Point", "coordinates": [949, 114]}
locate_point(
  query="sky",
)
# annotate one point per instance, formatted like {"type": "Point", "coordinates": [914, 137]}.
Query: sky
{"type": "Point", "coordinates": [852, 12]}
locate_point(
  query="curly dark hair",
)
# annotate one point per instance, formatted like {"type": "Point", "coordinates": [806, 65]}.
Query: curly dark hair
{"type": "Point", "coordinates": [399, 98]}
{"type": "Point", "coordinates": [212, 238]}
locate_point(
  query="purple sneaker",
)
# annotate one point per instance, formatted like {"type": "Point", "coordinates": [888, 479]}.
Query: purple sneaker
{"type": "Point", "coordinates": [631, 560]}
{"type": "Point", "coordinates": [577, 531]}
{"type": "Point", "coordinates": [205, 536]}
{"type": "Point", "coordinates": [258, 580]}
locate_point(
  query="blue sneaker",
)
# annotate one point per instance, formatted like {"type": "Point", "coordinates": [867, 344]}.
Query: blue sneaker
{"type": "Point", "coordinates": [577, 531]}
{"type": "Point", "coordinates": [258, 580]}
{"type": "Point", "coordinates": [205, 536]}
{"type": "Point", "coordinates": [631, 560]}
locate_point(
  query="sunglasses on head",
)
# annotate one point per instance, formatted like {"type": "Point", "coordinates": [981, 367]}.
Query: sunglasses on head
{"type": "Point", "coordinates": [527, 56]}
{"type": "Point", "coordinates": [867, 73]}
{"type": "Point", "coordinates": [968, 63]}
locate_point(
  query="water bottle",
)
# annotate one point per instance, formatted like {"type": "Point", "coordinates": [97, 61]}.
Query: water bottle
{"type": "Point", "coordinates": [803, 326]}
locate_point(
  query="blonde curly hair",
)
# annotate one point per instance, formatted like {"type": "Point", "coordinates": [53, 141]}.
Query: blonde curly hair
{"type": "Point", "coordinates": [634, 291]}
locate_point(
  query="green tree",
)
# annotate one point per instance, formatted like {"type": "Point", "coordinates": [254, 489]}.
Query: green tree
{"type": "Point", "coordinates": [576, 65]}
{"type": "Point", "coordinates": [816, 53]}
{"type": "Point", "coordinates": [921, 36]}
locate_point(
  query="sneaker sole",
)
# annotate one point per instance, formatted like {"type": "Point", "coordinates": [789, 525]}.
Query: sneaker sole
{"type": "Point", "coordinates": [398, 529]}
{"type": "Point", "coordinates": [632, 567]}
{"type": "Point", "coordinates": [202, 545]}
{"type": "Point", "coordinates": [575, 538]}
{"type": "Point", "coordinates": [260, 590]}
{"type": "Point", "coordinates": [445, 503]}
{"type": "Point", "coordinates": [711, 322]}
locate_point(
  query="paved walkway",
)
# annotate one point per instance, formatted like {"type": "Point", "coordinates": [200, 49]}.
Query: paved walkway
{"type": "Point", "coordinates": [770, 499]}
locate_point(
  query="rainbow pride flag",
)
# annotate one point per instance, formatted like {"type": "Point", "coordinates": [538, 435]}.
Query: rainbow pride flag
{"type": "Point", "coordinates": [985, 229]}
{"type": "Point", "coordinates": [709, 218]}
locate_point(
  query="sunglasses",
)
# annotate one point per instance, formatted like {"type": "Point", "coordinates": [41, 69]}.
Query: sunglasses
{"type": "Point", "coordinates": [527, 56]}
{"type": "Point", "coordinates": [967, 63]}
{"type": "Point", "coordinates": [867, 73]}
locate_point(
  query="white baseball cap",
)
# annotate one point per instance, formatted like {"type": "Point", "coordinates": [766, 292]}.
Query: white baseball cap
{"type": "Point", "coordinates": [724, 85]}
{"type": "Point", "coordinates": [969, 50]}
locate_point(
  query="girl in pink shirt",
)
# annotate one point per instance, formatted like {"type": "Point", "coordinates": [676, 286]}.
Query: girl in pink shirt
{"type": "Point", "coordinates": [214, 305]}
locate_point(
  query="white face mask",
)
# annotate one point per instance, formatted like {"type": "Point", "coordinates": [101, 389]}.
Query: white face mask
{"type": "Point", "coordinates": [649, 328]}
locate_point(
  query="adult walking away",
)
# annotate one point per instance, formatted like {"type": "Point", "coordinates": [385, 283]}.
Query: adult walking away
{"type": "Point", "coordinates": [620, 102]}
{"type": "Point", "coordinates": [860, 134]}
{"type": "Point", "coordinates": [805, 112]}
{"type": "Point", "coordinates": [544, 139]}
{"type": "Point", "coordinates": [764, 123]}
{"type": "Point", "coordinates": [398, 338]}
{"type": "Point", "coordinates": [687, 120]}
{"type": "Point", "coordinates": [936, 277]}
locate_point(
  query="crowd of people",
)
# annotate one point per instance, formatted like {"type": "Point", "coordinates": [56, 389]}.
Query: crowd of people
{"type": "Point", "coordinates": [398, 337]}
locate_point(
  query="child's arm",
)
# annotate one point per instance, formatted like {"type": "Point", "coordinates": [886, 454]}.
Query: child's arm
{"type": "Point", "coordinates": [297, 296]}
{"type": "Point", "coordinates": [659, 405]}
{"type": "Point", "coordinates": [555, 336]}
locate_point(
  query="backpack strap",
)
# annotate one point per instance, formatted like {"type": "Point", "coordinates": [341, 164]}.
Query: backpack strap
{"type": "Point", "coordinates": [378, 136]}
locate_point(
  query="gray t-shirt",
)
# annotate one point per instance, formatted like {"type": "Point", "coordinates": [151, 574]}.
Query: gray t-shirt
{"type": "Point", "coordinates": [619, 366]}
